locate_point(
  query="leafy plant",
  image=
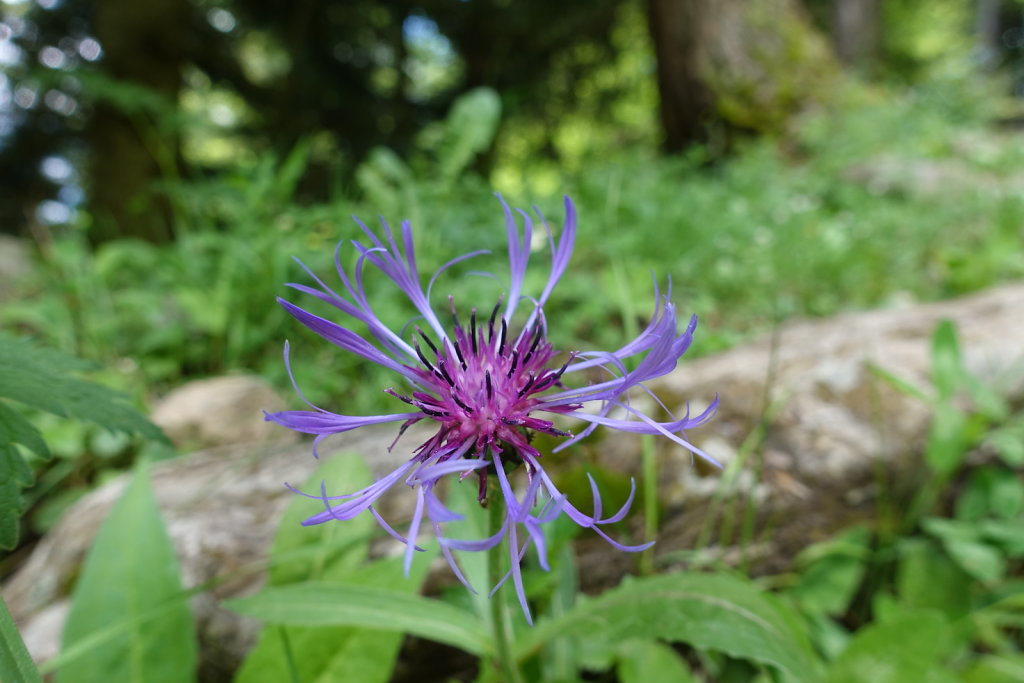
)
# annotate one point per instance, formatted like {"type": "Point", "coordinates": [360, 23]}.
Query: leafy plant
{"type": "Point", "coordinates": [43, 379]}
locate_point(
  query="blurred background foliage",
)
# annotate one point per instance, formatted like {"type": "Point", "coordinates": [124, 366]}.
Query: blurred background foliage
{"type": "Point", "coordinates": [165, 161]}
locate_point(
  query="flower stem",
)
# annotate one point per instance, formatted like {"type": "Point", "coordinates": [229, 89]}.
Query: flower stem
{"type": "Point", "coordinates": [501, 625]}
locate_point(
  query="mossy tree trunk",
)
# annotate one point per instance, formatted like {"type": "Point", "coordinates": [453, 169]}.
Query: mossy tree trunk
{"type": "Point", "coordinates": [735, 66]}
{"type": "Point", "coordinates": [133, 137]}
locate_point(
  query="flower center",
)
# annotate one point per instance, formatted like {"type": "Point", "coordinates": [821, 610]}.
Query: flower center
{"type": "Point", "coordinates": [482, 383]}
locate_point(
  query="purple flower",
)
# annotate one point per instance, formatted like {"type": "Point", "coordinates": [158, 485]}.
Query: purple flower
{"type": "Point", "coordinates": [487, 384]}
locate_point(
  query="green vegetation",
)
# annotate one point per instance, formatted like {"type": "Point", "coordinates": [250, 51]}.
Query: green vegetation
{"type": "Point", "coordinates": [885, 196]}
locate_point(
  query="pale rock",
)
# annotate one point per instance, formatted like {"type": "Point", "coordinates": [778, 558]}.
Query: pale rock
{"type": "Point", "coordinates": [220, 411]}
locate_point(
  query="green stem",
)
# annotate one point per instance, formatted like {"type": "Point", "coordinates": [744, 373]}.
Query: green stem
{"type": "Point", "coordinates": [650, 484]}
{"type": "Point", "coordinates": [500, 619]}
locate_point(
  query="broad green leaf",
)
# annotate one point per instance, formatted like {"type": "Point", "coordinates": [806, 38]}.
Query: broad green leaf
{"type": "Point", "coordinates": [39, 378]}
{"type": "Point", "coordinates": [130, 572]}
{"type": "Point", "coordinates": [334, 653]}
{"type": "Point", "coordinates": [996, 669]}
{"type": "Point", "coordinates": [947, 363]}
{"type": "Point", "coordinates": [1007, 533]}
{"type": "Point", "coordinates": [927, 578]}
{"type": "Point", "coordinates": [15, 474]}
{"type": "Point", "coordinates": [328, 552]}
{"type": "Point", "coordinates": [15, 663]}
{"type": "Point", "coordinates": [708, 611]}
{"type": "Point", "coordinates": [905, 648]}
{"type": "Point", "coordinates": [323, 551]}
{"type": "Point", "coordinates": [831, 572]}
{"type": "Point", "coordinates": [646, 661]}
{"type": "Point", "coordinates": [334, 604]}
{"type": "Point", "coordinates": [963, 542]}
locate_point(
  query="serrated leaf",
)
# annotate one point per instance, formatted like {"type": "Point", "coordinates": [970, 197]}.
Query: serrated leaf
{"type": "Point", "coordinates": [130, 572]}
{"type": "Point", "coordinates": [38, 378]}
{"type": "Point", "coordinates": [334, 604]}
{"type": "Point", "coordinates": [15, 474]}
{"type": "Point", "coordinates": [16, 665]}
{"type": "Point", "coordinates": [708, 611]}
{"type": "Point", "coordinates": [905, 648]}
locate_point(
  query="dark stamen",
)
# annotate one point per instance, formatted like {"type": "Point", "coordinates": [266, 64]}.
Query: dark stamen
{"type": "Point", "coordinates": [490, 323]}
{"type": "Point", "coordinates": [423, 358]}
{"type": "Point", "coordinates": [455, 316]}
{"type": "Point", "coordinates": [461, 404]}
{"type": "Point", "coordinates": [445, 375]}
{"type": "Point", "coordinates": [458, 352]}
{"type": "Point", "coordinates": [490, 390]}
{"type": "Point", "coordinates": [434, 413]}
{"type": "Point", "coordinates": [526, 387]}
{"type": "Point", "coordinates": [504, 332]}
{"type": "Point", "coordinates": [472, 331]}
{"type": "Point", "coordinates": [515, 361]}
{"type": "Point", "coordinates": [429, 343]}
{"type": "Point", "coordinates": [536, 340]}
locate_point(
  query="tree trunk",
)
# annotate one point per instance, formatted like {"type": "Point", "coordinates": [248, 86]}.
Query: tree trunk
{"type": "Point", "coordinates": [133, 144]}
{"type": "Point", "coordinates": [734, 66]}
{"type": "Point", "coordinates": [855, 29]}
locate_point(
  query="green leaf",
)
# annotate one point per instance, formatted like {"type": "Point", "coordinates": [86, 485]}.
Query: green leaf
{"type": "Point", "coordinates": [963, 541]}
{"type": "Point", "coordinates": [334, 604]}
{"type": "Point", "coordinates": [15, 663]}
{"type": "Point", "coordinates": [646, 661]}
{"type": "Point", "coordinates": [469, 129]}
{"type": "Point", "coordinates": [38, 377]}
{"type": "Point", "coordinates": [905, 648]}
{"type": "Point", "coordinates": [462, 499]}
{"type": "Point", "coordinates": [947, 363]}
{"type": "Point", "coordinates": [328, 552]}
{"type": "Point", "coordinates": [130, 573]}
{"type": "Point", "coordinates": [831, 572]}
{"type": "Point", "coordinates": [15, 474]}
{"type": "Point", "coordinates": [927, 578]}
{"type": "Point", "coordinates": [323, 551]}
{"type": "Point", "coordinates": [334, 653]}
{"type": "Point", "coordinates": [947, 442]}
{"type": "Point", "coordinates": [708, 611]}
{"type": "Point", "coordinates": [996, 669]}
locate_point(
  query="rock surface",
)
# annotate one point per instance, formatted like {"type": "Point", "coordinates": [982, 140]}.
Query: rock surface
{"type": "Point", "coordinates": [220, 411]}
{"type": "Point", "coordinates": [804, 421]}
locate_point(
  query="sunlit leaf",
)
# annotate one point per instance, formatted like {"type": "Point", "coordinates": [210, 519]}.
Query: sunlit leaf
{"type": "Point", "coordinates": [708, 611]}
{"type": "Point", "coordinates": [334, 604]}
{"type": "Point", "coordinates": [15, 663]}
{"type": "Point", "coordinates": [130, 572]}
{"type": "Point", "coordinates": [645, 661]}
{"type": "Point", "coordinates": [905, 648]}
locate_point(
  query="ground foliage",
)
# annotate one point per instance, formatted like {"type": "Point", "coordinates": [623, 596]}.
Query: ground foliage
{"type": "Point", "coordinates": [931, 589]}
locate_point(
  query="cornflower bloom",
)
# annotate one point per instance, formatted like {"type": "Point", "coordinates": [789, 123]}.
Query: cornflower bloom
{"type": "Point", "coordinates": [486, 385]}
